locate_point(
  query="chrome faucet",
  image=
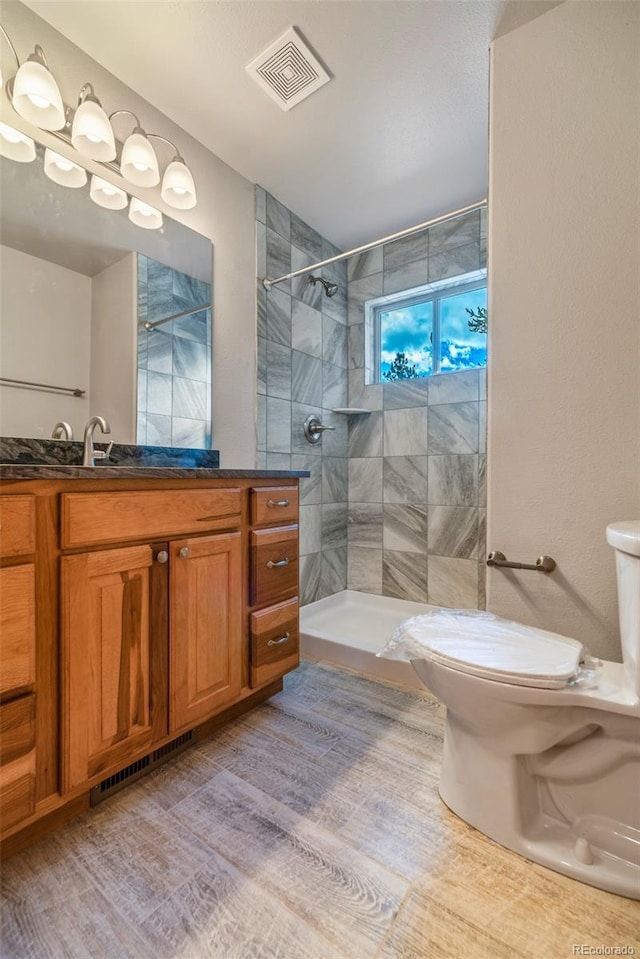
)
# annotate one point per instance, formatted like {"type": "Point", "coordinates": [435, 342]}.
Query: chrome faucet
{"type": "Point", "coordinates": [62, 431]}
{"type": "Point", "coordinates": [90, 454]}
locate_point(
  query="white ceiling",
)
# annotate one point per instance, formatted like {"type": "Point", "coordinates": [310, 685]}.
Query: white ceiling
{"type": "Point", "coordinates": [398, 135]}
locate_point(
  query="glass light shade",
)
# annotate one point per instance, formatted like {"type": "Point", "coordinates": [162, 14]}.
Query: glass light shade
{"type": "Point", "coordinates": [91, 132]}
{"type": "Point", "coordinates": [178, 188]}
{"type": "Point", "coordinates": [144, 215]}
{"type": "Point", "coordinates": [36, 96]}
{"type": "Point", "coordinates": [63, 171]}
{"type": "Point", "coordinates": [139, 163]}
{"type": "Point", "coordinates": [107, 195]}
{"type": "Point", "coordinates": [15, 145]}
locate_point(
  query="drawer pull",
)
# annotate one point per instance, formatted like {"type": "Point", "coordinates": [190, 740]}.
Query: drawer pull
{"type": "Point", "coordinates": [281, 562]}
{"type": "Point", "coordinates": [279, 642]}
{"type": "Point", "coordinates": [281, 502]}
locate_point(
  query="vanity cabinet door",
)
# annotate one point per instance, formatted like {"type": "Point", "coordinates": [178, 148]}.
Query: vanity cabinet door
{"type": "Point", "coordinates": [205, 637]}
{"type": "Point", "coordinates": [114, 635]}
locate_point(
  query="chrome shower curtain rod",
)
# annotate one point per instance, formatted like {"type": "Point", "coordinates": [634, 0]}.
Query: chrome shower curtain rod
{"type": "Point", "coordinates": [267, 283]}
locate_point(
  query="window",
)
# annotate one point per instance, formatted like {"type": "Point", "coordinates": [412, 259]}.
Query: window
{"type": "Point", "coordinates": [423, 331]}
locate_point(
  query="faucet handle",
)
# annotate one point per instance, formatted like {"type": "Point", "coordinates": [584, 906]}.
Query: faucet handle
{"type": "Point", "coordinates": [103, 454]}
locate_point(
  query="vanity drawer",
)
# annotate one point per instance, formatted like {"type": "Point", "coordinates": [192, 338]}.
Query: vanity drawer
{"type": "Point", "coordinates": [17, 760]}
{"type": "Point", "coordinates": [17, 628]}
{"type": "Point", "coordinates": [274, 642]}
{"type": "Point", "coordinates": [274, 565]}
{"type": "Point", "coordinates": [91, 519]}
{"type": "Point", "coordinates": [274, 504]}
{"type": "Point", "coordinates": [17, 525]}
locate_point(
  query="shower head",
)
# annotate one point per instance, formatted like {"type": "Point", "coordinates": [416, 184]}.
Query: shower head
{"type": "Point", "coordinates": [330, 289]}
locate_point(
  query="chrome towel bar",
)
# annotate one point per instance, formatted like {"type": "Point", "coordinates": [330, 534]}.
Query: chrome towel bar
{"type": "Point", "coordinates": [543, 564]}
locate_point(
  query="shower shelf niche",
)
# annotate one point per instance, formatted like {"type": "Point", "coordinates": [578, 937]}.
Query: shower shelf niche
{"type": "Point", "coordinates": [350, 410]}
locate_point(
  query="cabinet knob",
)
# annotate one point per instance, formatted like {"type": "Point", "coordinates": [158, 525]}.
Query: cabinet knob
{"type": "Point", "coordinates": [184, 553]}
{"type": "Point", "coordinates": [163, 556]}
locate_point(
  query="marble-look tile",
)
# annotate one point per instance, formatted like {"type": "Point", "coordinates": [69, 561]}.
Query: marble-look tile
{"type": "Point", "coordinates": [310, 529]}
{"type": "Point", "coordinates": [404, 575]}
{"type": "Point", "coordinates": [190, 359]}
{"type": "Point", "coordinates": [261, 309]}
{"type": "Point", "coordinates": [405, 528]}
{"type": "Point", "coordinates": [141, 391]}
{"type": "Point", "coordinates": [190, 433]}
{"type": "Point", "coordinates": [336, 306]}
{"type": "Point", "coordinates": [278, 328]}
{"type": "Point", "coordinates": [335, 442]}
{"type": "Point", "coordinates": [306, 328]}
{"type": "Point", "coordinates": [452, 480]}
{"type": "Point", "coordinates": [160, 352]}
{"type": "Point", "coordinates": [158, 430]}
{"type": "Point", "coordinates": [143, 347]}
{"type": "Point", "coordinates": [299, 443]}
{"type": "Point", "coordinates": [405, 432]}
{"type": "Point", "coordinates": [278, 260]}
{"type": "Point", "coordinates": [306, 379]}
{"type": "Point", "coordinates": [278, 217]}
{"type": "Point", "coordinates": [334, 479]}
{"type": "Point", "coordinates": [454, 531]}
{"type": "Point", "coordinates": [365, 435]}
{"type": "Point", "coordinates": [261, 205]}
{"type": "Point", "coordinates": [278, 461]}
{"type": "Point", "coordinates": [301, 286]}
{"type": "Point", "coordinates": [483, 383]}
{"type": "Point", "coordinates": [305, 238]}
{"type": "Point", "coordinates": [261, 422]}
{"type": "Point", "coordinates": [356, 346]}
{"type": "Point", "coordinates": [189, 398]}
{"type": "Point", "coordinates": [401, 252]}
{"type": "Point", "coordinates": [364, 264]}
{"type": "Point", "coordinates": [453, 233]}
{"type": "Point", "coordinates": [482, 427]}
{"type": "Point", "coordinates": [278, 370]}
{"type": "Point", "coordinates": [406, 277]}
{"type": "Point", "coordinates": [482, 535]}
{"type": "Point", "coordinates": [261, 365]}
{"type": "Point", "coordinates": [405, 479]}
{"type": "Point", "coordinates": [192, 291]}
{"type": "Point", "coordinates": [334, 386]}
{"type": "Point", "coordinates": [453, 428]}
{"type": "Point", "coordinates": [159, 388]}
{"type": "Point", "coordinates": [368, 288]}
{"type": "Point", "coordinates": [406, 393]}
{"type": "Point", "coordinates": [482, 585]}
{"type": "Point", "coordinates": [141, 428]}
{"type": "Point", "coordinates": [195, 326]}
{"type": "Point", "coordinates": [333, 573]}
{"type": "Point", "coordinates": [449, 263]}
{"type": "Point", "coordinates": [278, 425]}
{"type": "Point", "coordinates": [310, 570]}
{"type": "Point", "coordinates": [460, 386]}
{"type": "Point", "coordinates": [261, 460]}
{"type": "Point", "coordinates": [365, 480]}
{"type": "Point", "coordinates": [334, 342]}
{"type": "Point", "coordinates": [363, 395]}
{"type": "Point", "coordinates": [261, 250]}
{"type": "Point", "coordinates": [334, 525]}
{"type": "Point", "coordinates": [482, 481]}
{"type": "Point", "coordinates": [364, 572]}
{"type": "Point", "coordinates": [453, 582]}
{"type": "Point", "coordinates": [365, 524]}
{"type": "Point", "coordinates": [310, 486]}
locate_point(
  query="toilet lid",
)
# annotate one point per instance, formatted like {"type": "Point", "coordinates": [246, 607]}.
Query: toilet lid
{"type": "Point", "coordinates": [499, 650]}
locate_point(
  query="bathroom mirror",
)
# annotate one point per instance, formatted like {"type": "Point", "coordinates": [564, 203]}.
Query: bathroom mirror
{"type": "Point", "coordinates": [79, 283]}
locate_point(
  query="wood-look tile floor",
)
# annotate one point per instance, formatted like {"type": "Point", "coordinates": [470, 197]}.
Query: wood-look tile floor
{"type": "Point", "coordinates": [311, 828]}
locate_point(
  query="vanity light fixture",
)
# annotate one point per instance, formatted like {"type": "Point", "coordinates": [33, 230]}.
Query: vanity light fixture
{"type": "Point", "coordinates": [15, 145]}
{"type": "Point", "coordinates": [63, 171]}
{"type": "Point", "coordinates": [91, 132]}
{"type": "Point", "coordinates": [107, 195]}
{"type": "Point", "coordinates": [178, 188]}
{"type": "Point", "coordinates": [144, 215]}
{"type": "Point", "coordinates": [138, 163]}
{"type": "Point", "coordinates": [35, 94]}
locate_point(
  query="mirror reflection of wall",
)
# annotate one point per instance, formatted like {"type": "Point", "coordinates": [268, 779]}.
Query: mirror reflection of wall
{"type": "Point", "coordinates": [72, 306]}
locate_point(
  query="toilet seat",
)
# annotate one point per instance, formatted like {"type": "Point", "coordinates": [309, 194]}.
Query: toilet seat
{"type": "Point", "coordinates": [496, 649]}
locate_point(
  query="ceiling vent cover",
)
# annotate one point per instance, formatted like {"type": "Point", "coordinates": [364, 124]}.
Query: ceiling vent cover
{"type": "Point", "coordinates": [288, 71]}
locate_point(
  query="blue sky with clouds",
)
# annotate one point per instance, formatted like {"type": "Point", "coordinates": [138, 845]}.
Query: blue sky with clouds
{"type": "Point", "coordinates": [409, 331]}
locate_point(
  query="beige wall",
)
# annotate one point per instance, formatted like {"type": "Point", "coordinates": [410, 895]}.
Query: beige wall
{"type": "Point", "coordinates": [44, 309]}
{"type": "Point", "coordinates": [225, 213]}
{"type": "Point", "coordinates": [564, 312]}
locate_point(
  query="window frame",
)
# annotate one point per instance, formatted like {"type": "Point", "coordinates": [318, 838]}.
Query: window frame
{"type": "Point", "coordinates": [403, 299]}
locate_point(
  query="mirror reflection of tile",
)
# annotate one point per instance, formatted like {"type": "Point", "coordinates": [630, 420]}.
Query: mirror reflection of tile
{"type": "Point", "coordinates": [174, 359]}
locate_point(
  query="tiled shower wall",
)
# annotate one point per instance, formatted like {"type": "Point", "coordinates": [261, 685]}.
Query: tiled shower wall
{"type": "Point", "coordinates": [174, 360]}
{"type": "Point", "coordinates": [302, 369]}
{"type": "Point", "coordinates": [417, 461]}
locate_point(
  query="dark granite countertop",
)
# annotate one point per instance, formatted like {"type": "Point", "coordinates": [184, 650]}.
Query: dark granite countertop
{"type": "Point", "coordinates": [13, 471]}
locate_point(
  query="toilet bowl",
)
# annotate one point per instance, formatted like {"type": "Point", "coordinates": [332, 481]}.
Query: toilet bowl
{"type": "Point", "coordinates": [540, 754]}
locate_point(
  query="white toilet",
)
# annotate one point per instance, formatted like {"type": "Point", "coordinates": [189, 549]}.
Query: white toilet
{"type": "Point", "coordinates": [543, 765]}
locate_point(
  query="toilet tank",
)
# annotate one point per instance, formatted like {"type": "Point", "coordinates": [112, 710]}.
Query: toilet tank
{"type": "Point", "coordinates": [625, 539]}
